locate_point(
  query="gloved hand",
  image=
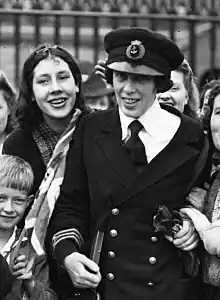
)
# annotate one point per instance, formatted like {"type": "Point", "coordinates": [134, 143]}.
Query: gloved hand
{"type": "Point", "coordinates": [180, 231]}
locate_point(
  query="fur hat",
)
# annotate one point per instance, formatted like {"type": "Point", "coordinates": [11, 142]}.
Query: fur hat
{"type": "Point", "coordinates": [95, 87]}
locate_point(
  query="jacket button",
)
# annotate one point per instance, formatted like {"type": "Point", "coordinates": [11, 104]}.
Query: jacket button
{"type": "Point", "coordinates": [152, 260]}
{"type": "Point", "coordinates": [150, 283]}
{"type": "Point", "coordinates": [154, 239]}
{"type": "Point", "coordinates": [111, 254]}
{"type": "Point", "coordinates": [115, 211]}
{"type": "Point", "coordinates": [113, 233]}
{"type": "Point", "coordinates": [110, 276]}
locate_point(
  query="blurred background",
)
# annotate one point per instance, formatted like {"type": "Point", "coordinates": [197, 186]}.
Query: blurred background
{"type": "Point", "coordinates": [80, 25]}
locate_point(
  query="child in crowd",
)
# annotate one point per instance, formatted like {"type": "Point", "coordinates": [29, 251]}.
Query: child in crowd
{"type": "Point", "coordinates": [31, 281]}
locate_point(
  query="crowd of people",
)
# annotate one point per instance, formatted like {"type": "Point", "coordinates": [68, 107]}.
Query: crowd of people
{"type": "Point", "coordinates": [126, 159]}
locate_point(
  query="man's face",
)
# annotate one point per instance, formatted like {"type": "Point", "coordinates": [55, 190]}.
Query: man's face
{"type": "Point", "coordinates": [13, 204]}
{"type": "Point", "coordinates": [135, 93]}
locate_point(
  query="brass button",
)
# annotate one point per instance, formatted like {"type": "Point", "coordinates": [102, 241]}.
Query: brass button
{"type": "Point", "coordinates": [110, 276]}
{"type": "Point", "coordinates": [150, 283]}
{"type": "Point", "coordinates": [152, 260]}
{"type": "Point", "coordinates": [113, 233]}
{"type": "Point", "coordinates": [111, 254]}
{"type": "Point", "coordinates": [115, 211]}
{"type": "Point", "coordinates": [154, 239]}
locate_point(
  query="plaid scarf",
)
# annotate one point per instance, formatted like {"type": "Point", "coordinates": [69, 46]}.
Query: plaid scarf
{"type": "Point", "coordinates": [38, 217]}
{"type": "Point", "coordinates": [46, 140]}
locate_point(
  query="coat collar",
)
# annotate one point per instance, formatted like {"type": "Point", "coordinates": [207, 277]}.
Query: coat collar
{"type": "Point", "coordinates": [183, 146]}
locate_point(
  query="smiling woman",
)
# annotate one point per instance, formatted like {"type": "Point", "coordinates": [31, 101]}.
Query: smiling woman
{"type": "Point", "coordinates": [48, 108]}
{"type": "Point", "coordinates": [49, 94]}
{"type": "Point", "coordinates": [210, 262]}
{"type": "Point", "coordinates": [184, 94]}
{"type": "Point", "coordinates": [211, 119]}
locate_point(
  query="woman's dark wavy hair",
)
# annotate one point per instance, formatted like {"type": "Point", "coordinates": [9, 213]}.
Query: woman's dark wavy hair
{"type": "Point", "coordinates": [208, 86]}
{"type": "Point", "coordinates": [27, 112]}
{"type": "Point", "coordinates": [206, 117]}
{"type": "Point", "coordinates": [209, 75]}
{"type": "Point", "coordinates": [162, 83]}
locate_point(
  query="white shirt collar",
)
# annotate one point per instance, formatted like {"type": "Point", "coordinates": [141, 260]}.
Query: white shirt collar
{"type": "Point", "coordinates": [11, 244]}
{"type": "Point", "coordinates": [7, 247]}
{"type": "Point", "coordinates": [150, 119]}
{"type": "Point", "coordinates": [125, 121]}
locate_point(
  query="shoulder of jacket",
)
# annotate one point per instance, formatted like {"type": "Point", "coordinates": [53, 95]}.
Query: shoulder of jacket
{"type": "Point", "coordinates": [98, 115]}
{"type": "Point", "coordinates": [193, 126]}
{"type": "Point", "coordinates": [18, 135]}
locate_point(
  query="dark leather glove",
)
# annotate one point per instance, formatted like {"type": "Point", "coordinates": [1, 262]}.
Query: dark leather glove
{"type": "Point", "coordinates": [170, 223]}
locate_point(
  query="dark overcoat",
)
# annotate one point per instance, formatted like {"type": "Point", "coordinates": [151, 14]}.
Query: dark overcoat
{"type": "Point", "coordinates": [21, 143]}
{"type": "Point", "coordinates": [6, 278]}
{"type": "Point", "coordinates": [101, 184]}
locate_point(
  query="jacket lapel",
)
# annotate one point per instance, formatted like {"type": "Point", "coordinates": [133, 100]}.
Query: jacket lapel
{"type": "Point", "coordinates": [180, 149]}
{"type": "Point", "coordinates": [116, 155]}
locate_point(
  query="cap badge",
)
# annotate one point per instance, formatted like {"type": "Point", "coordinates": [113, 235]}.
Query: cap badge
{"type": "Point", "coordinates": [135, 50]}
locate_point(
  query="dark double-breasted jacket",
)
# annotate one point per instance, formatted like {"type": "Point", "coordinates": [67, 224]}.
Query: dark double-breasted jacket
{"type": "Point", "coordinates": [102, 184]}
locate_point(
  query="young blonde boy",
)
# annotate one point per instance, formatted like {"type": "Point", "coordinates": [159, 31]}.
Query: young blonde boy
{"type": "Point", "coordinates": [16, 179]}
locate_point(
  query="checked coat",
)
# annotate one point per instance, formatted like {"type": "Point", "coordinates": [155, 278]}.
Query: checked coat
{"type": "Point", "coordinates": [102, 189]}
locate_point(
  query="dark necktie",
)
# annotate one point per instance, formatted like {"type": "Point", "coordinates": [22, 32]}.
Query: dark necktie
{"type": "Point", "coordinates": [135, 146]}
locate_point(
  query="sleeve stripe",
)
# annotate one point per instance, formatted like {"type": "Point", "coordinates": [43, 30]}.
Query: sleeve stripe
{"type": "Point", "coordinates": [68, 234]}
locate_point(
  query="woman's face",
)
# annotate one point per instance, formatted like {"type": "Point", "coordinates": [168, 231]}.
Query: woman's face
{"type": "Point", "coordinates": [54, 88]}
{"type": "Point", "coordinates": [4, 112]}
{"type": "Point", "coordinates": [215, 123]}
{"type": "Point", "coordinates": [177, 95]}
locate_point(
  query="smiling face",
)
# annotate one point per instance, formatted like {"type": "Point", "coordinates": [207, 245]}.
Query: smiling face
{"type": "Point", "coordinates": [4, 113]}
{"type": "Point", "coordinates": [13, 204]}
{"type": "Point", "coordinates": [54, 88]}
{"type": "Point", "coordinates": [177, 95]}
{"type": "Point", "coordinates": [215, 123]}
{"type": "Point", "coordinates": [134, 93]}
